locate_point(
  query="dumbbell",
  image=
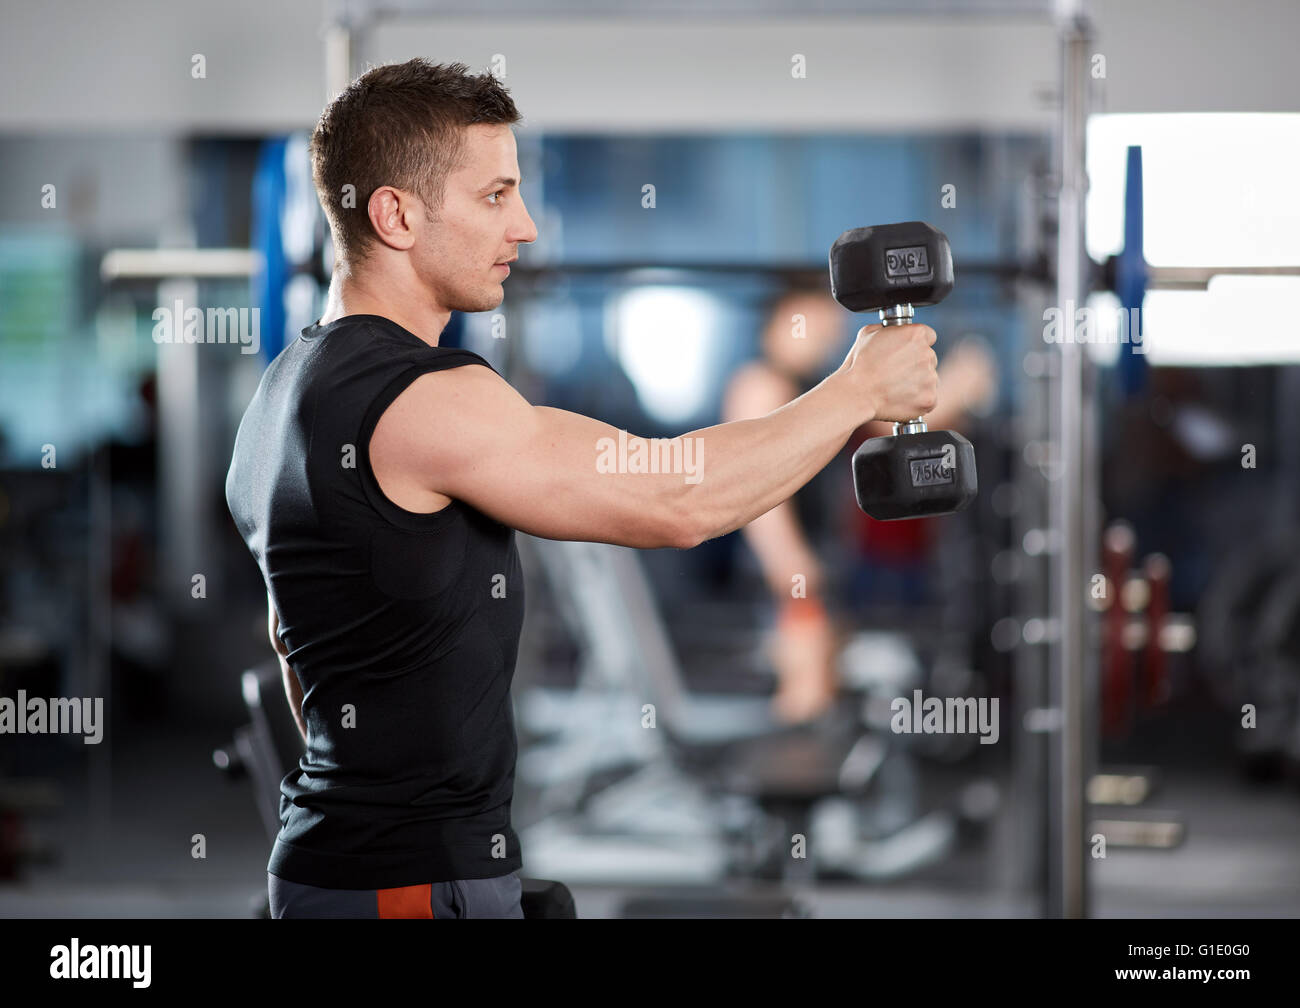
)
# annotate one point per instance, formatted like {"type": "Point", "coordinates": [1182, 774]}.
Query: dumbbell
{"type": "Point", "coordinates": [915, 472]}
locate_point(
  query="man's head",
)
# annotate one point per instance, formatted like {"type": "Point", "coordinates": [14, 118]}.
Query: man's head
{"type": "Point", "coordinates": [417, 170]}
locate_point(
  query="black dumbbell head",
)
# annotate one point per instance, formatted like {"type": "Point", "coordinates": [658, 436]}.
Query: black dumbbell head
{"type": "Point", "coordinates": [891, 264]}
{"type": "Point", "coordinates": [914, 475]}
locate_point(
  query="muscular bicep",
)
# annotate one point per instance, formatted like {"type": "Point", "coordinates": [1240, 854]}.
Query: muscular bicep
{"type": "Point", "coordinates": [468, 434]}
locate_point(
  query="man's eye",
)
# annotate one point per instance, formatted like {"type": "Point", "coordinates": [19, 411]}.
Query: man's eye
{"type": "Point", "coordinates": [499, 192]}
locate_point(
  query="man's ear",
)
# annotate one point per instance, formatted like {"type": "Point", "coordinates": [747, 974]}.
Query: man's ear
{"type": "Point", "coordinates": [390, 211]}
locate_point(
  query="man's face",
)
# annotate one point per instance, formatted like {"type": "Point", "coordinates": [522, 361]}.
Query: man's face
{"type": "Point", "coordinates": [481, 223]}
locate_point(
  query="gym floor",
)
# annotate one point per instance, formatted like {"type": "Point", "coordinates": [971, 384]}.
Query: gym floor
{"type": "Point", "coordinates": [128, 857]}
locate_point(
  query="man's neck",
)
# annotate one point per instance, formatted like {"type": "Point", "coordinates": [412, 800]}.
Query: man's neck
{"type": "Point", "coordinates": [351, 294]}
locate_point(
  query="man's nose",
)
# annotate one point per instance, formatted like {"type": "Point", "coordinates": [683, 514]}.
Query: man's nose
{"type": "Point", "coordinates": [525, 230]}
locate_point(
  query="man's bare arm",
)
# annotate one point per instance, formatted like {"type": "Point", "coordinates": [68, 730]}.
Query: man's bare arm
{"type": "Point", "coordinates": [469, 435]}
{"type": "Point", "coordinates": [292, 688]}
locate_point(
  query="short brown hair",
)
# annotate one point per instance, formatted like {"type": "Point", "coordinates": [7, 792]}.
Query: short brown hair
{"type": "Point", "coordinates": [401, 125]}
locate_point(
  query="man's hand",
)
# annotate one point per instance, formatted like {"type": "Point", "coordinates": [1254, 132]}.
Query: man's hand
{"type": "Point", "coordinates": [895, 371]}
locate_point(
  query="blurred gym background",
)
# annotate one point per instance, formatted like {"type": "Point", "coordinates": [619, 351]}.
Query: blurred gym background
{"type": "Point", "coordinates": [156, 152]}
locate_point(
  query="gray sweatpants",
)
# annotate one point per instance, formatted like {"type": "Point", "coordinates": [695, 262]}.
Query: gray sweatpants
{"type": "Point", "coordinates": [466, 898]}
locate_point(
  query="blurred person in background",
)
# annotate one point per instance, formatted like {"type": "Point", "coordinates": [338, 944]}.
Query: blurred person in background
{"type": "Point", "coordinates": [799, 544]}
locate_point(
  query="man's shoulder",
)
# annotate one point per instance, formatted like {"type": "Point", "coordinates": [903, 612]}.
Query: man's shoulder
{"type": "Point", "coordinates": [460, 387]}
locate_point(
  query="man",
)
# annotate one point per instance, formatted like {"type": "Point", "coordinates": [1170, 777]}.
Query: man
{"type": "Point", "coordinates": [377, 479]}
{"type": "Point", "coordinates": [796, 542]}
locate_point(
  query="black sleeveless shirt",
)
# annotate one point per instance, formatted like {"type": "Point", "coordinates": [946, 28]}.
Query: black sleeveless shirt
{"type": "Point", "coordinates": [402, 628]}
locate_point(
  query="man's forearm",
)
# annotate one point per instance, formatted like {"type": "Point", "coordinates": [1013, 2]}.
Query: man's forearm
{"type": "Point", "coordinates": [750, 466]}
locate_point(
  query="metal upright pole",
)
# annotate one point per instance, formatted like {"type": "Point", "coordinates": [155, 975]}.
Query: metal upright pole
{"type": "Point", "coordinates": [1070, 748]}
{"type": "Point", "coordinates": [340, 55]}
